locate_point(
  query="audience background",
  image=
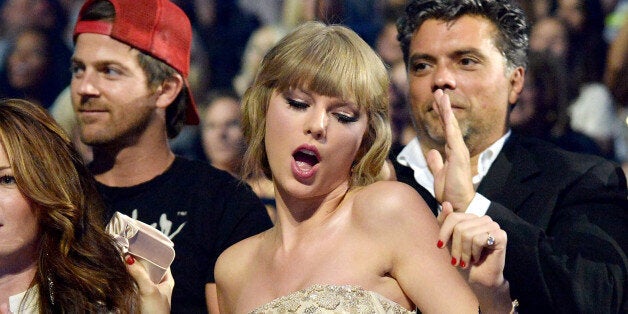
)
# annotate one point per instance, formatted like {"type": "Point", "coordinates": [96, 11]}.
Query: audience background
{"type": "Point", "coordinates": [582, 43]}
{"type": "Point", "coordinates": [223, 143]}
{"type": "Point", "coordinates": [32, 66]}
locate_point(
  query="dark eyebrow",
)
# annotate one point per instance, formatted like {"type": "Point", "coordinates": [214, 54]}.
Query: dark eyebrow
{"type": "Point", "coordinates": [462, 52]}
{"type": "Point", "coordinates": [101, 63]}
{"type": "Point", "coordinates": [421, 56]}
{"type": "Point", "coordinates": [454, 55]}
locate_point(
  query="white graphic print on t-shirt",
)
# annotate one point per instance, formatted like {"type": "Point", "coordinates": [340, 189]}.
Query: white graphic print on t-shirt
{"type": "Point", "coordinates": [165, 225]}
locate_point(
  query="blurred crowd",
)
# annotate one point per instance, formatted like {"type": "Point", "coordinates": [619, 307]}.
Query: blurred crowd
{"type": "Point", "coordinates": [575, 92]}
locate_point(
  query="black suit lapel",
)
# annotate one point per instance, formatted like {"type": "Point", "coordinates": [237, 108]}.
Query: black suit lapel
{"type": "Point", "coordinates": [496, 177]}
{"type": "Point", "coordinates": [406, 175]}
{"type": "Point", "coordinates": [505, 181]}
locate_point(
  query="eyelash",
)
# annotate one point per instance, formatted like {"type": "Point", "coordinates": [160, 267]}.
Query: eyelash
{"type": "Point", "coordinates": [75, 69]}
{"type": "Point", "coordinates": [468, 61]}
{"type": "Point", "coordinates": [7, 179]}
{"type": "Point", "coordinates": [419, 67]}
{"type": "Point", "coordinates": [110, 71]}
{"type": "Point", "coordinates": [296, 104]}
{"type": "Point", "coordinates": [342, 118]}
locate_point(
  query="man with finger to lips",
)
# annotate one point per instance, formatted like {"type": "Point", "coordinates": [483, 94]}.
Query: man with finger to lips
{"type": "Point", "coordinates": [565, 214]}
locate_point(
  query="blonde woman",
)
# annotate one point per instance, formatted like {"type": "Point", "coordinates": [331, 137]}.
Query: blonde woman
{"type": "Point", "coordinates": [316, 120]}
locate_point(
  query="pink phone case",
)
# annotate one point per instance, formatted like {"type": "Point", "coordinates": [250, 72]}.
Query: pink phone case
{"type": "Point", "coordinates": [152, 248]}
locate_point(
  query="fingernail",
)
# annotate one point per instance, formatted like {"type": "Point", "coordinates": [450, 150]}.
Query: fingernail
{"type": "Point", "coordinates": [439, 244]}
{"type": "Point", "coordinates": [129, 260]}
{"type": "Point", "coordinates": [453, 261]}
{"type": "Point", "coordinates": [463, 264]}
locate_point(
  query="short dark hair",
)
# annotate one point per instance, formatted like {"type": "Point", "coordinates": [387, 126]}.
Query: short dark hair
{"type": "Point", "coordinates": [506, 15]}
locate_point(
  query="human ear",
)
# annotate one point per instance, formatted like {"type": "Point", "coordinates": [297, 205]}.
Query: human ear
{"type": "Point", "coordinates": [168, 91]}
{"type": "Point", "coordinates": [517, 78]}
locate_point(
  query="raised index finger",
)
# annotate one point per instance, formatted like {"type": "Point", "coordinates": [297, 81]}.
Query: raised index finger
{"type": "Point", "coordinates": [452, 129]}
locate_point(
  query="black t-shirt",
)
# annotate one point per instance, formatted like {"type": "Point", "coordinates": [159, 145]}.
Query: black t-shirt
{"type": "Point", "coordinates": [203, 210]}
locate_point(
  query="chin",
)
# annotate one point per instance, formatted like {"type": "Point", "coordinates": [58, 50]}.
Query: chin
{"type": "Point", "coordinates": [93, 140]}
{"type": "Point", "coordinates": [436, 136]}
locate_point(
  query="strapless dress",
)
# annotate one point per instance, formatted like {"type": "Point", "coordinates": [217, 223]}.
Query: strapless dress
{"type": "Point", "coordinates": [332, 299]}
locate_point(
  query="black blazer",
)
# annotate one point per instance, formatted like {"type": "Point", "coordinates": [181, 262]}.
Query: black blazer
{"type": "Point", "coordinates": [566, 216]}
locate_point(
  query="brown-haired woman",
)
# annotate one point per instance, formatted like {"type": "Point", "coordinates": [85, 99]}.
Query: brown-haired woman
{"type": "Point", "coordinates": [54, 254]}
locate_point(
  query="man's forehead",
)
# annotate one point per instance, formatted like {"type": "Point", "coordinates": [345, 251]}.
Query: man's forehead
{"type": "Point", "coordinates": [102, 43]}
{"type": "Point", "coordinates": [466, 30]}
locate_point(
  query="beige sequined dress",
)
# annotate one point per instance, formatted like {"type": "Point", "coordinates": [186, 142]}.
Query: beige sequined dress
{"type": "Point", "coordinates": [327, 299]}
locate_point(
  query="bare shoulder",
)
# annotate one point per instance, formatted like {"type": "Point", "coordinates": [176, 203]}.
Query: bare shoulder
{"type": "Point", "coordinates": [234, 261]}
{"type": "Point", "coordinates": [389, 195]}
{"type": "Point", "coordinates": [390, 203]}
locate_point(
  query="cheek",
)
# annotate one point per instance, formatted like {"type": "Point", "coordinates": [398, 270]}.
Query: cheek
{"type": "Point", "coordinates": [349, 142]}
{"type": "Point", "coordinates": [273, 141]}
{"type": "Point", "coordinates": [489, 117]}
{"type": "Point", "coordinates": [210, 136]}
{"type": "Point", "coordinates": [235, 135]}
{"type": "Point", "coordinates": [31, 228]}
{"type": "Point", "coordinates": [420, 92]}
{"type": "Point", "coordinates": [207, 141]}
{"type": "Point", "coordinates": [420, 104]}
{"type": "Point", "coordinates": [417, 85]}
{"type": "Point", "coordinates": [38, 63]}
{"type": "Point", "coordinates": [24, 222]}
{"type": "Point", "coordinates": [490, 90]}
{"type": "Point", "coordinates": [274, 131]}
{"type": "Point", "coordinates": [74, 88]}
{"type": "Point", "coordinates": [133, 106]}
{"type": "Point", "coordinates": [279, 124]}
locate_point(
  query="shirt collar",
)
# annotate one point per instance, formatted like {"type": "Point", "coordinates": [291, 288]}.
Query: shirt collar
{"type": "Point", "coordinates": [412, 156]}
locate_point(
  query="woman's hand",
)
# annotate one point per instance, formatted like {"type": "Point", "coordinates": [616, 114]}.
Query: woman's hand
{"type": "Point", "coordinates": [478, 246]}
{"type": "Point", "coordinates": [155, 298]}
{"type": "Point", "coordinates": [476, 243]}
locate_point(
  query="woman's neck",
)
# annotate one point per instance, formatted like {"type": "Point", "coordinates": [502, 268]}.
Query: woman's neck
{"type": "Point", "coordinates": [14, 281]}
{"type": "Point", "coordinates": [298, 218]}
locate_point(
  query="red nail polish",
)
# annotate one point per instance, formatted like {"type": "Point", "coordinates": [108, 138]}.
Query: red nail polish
{"type": "Point", "coordinates": [439, 244]}
{"type": "Point", "coordinates": [129, 260]}
{"type": "Point", "coordinates": [463, 264]}
{"type": "Point", "coordinates": [453, 261]}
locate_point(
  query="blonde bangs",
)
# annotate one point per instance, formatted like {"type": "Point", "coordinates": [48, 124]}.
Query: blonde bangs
{"type": "Point", "coordinates": [327, 60]}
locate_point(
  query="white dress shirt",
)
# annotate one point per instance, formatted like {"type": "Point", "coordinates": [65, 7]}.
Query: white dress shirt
{"type": "Point", "coordinates": [412, 156]}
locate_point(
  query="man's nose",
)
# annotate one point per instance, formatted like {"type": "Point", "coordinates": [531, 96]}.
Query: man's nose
{"type": "Point", "coordinates": [443, 79]}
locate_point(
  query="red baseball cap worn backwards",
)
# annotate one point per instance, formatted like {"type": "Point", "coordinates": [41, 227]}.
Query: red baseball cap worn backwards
{"type": "Point", "coordinates": [156, 27]}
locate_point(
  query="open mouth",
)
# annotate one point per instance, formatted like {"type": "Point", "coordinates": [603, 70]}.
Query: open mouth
{"type": "Point", "coordinates": [305, 159]}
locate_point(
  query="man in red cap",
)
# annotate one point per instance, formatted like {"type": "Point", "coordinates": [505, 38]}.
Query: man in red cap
{"type": "Point", "coordinates": [130, 93]}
